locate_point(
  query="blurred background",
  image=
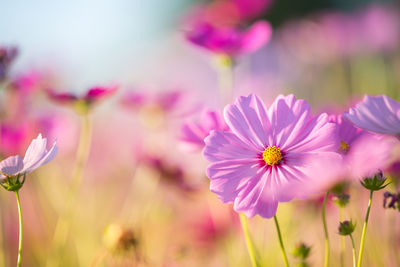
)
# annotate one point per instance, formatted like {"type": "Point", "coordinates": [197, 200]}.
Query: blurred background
{"type": "Point", "coordinates": [134, 197]}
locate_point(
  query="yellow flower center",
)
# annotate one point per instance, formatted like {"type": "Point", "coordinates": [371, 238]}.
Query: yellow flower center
{"type": "Point", "coordinates": [272, 155]}
{"type": "Point", "coordinates": [344, 147]}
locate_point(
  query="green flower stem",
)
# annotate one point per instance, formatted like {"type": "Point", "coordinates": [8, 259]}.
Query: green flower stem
{"type": "Point", "coordinates": [364, 229]}
{"type": "Point", "coordinates": [342, 240]}
{"type": "Point", "coordinates": [326, 262]}
{"type": "Point", "coordinates": [224, 67]}
{"type": "Point", "coordinates": [63, 223]}
{"type": "Point", "coordinates": [353, 250]}
{"type": "Point", "coordinates": [249, 243]}
{"type": "Point", "coordinates": [285, 259]}
{"type": "Point", "coordinates": [20, 230]}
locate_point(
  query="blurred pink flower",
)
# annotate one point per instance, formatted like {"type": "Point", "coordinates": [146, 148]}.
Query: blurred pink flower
{"type": "Point", "coordinates": [380, 28]}
{"type": "Point", "coordinates": [208, 227]}
{"type": "Point", "coordinates": [249, 9]}
{"type": "Point", "coordinates": [228, 12]}
{"type": "Point", "coordinates": [7, 56]}
{"type": "Point", "coordinates": [92, 96]}
{"type": "Point", "coordinates": [13, 137]}
{"type": "Point", "coordinates": [230, 41]}
{"type": "Point", "coordinates": [193, 133]}
{"type": "Point", "coordinates": [169, 173]}
{"type": "Point", "coordinates": [173, 102]}
{"type": "Point", "coordinates": [36, 155]}
{"type": "Point", "coordinates": [268, 149]}
{"type": "Point", "coordinates": [27, 82]}
{"type": "Point", "coordinates": [379, 114]}
{"type": "Point", "coordinates": [355, 146]}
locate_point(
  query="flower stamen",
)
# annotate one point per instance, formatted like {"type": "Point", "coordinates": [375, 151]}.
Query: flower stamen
{"type": "Point", "coordinates": [272, 155]}
{"type": "Point", "coordinates": [344, 147]}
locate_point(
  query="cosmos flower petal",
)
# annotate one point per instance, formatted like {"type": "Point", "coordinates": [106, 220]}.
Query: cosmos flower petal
{"type": "Point", "coordinates": [222, 146]}
{"type": "Point", "coordinates": [288, 117]}
{"type": "Point", "coordinates": [374, 150]}
{"type": "Point", "coordinates": [11, 166]}
{"type": "Point", "coordinates": [317, 134]}
{"type": "Point", "coordinates": [379, 114]}
{"type": "Point", "coordinates": [48, 156]}
{"type": "Point", "coordinates": [35, 151]}
{"type": "Point", "coordinates": [257, 197]}
{"type": "Point", "coordinates": [227, 179]}
{"type": "Point", "coordinates": [193, 134]}
{"type": "Point", "coordinates": [255, 37]}
{"type": "Point", "coordinates": [247, 118]}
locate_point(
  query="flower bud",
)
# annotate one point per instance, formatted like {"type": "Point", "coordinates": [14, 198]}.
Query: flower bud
{"type": "Point", "coordinates": [341, 200]}
{"type": "Point", "coordinates": [346, 227]}
{"type": "Point", "coordinates": [375, 183]}
{"type": "Point", "coordinates": [118, 238]}
{"type": "Point", "coordinates": [391, 200]}
{"type": "Point", "coordinates": [301, 251]}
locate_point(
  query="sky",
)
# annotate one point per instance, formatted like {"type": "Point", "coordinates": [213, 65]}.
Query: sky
{"type": "Point", "coordinates": [90, 41]}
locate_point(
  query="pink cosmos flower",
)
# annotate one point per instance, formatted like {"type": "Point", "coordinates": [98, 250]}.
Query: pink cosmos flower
{"type": "Point", "coordinates": [355, 146]}
{"type": "Point", "coordinates": [228, 12]}
{"type": "Point", "coordinates": [193, 134]}
{"type": "Point", "coordinates": [174, 102]}
{"type": "Point", "coordinates": [230, 41]}
{"type": "Point", "coordinates": [170, 174]}
{"type": "Point", "coordinates": [379, 114]}
{"type": "Point", "coordinates": [36, 155]}
{"type": "Point", "coordinates": [93, 95]}
{"type": "Point", "coordinates": [266, 150]}
{"type": "Point", "coordinates": [12, 137]}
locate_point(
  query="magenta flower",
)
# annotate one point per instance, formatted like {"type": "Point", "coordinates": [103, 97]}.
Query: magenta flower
{"type": "Point", "coordinates": [193, 133]}
{"type": "Point", "coordinates": [12, 137]}
{"type": "Point", "coordinates": [15, 167]}
{"type": "Point", "coordinates": [379, 114]}
{"type": "Point", "coordinates": [249, 9]}
{"type": "Point", "coordinates": [230, 41]}
{"type": "Point", "coordinates": [254, 165]}
{"type": "Point", "coordinates": [82, 103]}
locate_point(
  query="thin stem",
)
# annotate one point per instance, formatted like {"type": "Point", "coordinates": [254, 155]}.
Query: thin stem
{"type": "Point", "coordinates": [364, 230]}
{"type": "Point", "coordinates": [353, 250]}
{"type": "Point", "coordinates": [224, 66]}
{"type": "Point", "coordinates": [20, 230]}
{"type": "Point", "coordinates": [285, 259]}
{"type": "Point", "coordinates": [249, 243]}
{"type": "Point", "coordinates": [342, 240]}
{"type": "Point", "coordinates": [64, 221]}
{"type": "Point", "coordinates": [326, 262]}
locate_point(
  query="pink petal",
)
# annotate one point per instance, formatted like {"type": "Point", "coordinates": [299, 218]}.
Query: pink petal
{"type": "Point", "coordinates": [255, 37]}
{"type": "Point", "coordinates": [247, 118]}
{"type": "Point", "coordinates": [11, 166]}
{"type": "Point", "coordinates": [376, 114]}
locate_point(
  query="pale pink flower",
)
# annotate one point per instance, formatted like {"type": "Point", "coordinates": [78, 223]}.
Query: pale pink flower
{"type": "Point", "coordinates": [193, 133]}
{"type": "Point", "coordinates": [379, 114]}
{"type": "Point", "coordinates": [36, 155]}
{"type": "Point", "coordinates": [266, 151]}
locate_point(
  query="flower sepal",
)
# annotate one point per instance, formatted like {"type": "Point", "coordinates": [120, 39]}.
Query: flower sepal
{"type": "Point", "coordinates": [13, 183]}
{"type": "Point", "coordinates": [346, 227]}
{"type": "Point", "coordinates": [375, 183]}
